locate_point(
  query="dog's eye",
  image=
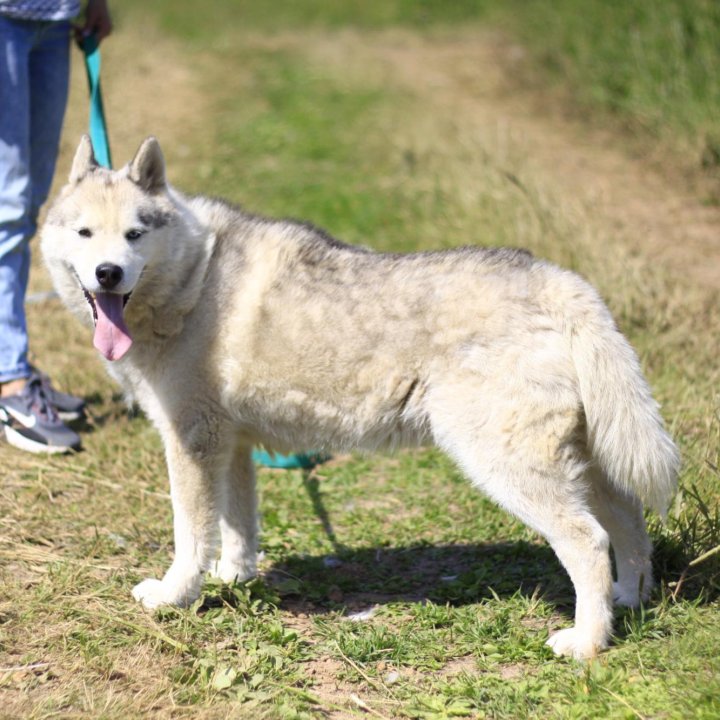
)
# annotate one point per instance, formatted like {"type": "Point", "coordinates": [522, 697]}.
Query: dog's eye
{"type": "Point", "coordinates": [85, 232]}
{"type": "Point", "coordinates": [133, 234]}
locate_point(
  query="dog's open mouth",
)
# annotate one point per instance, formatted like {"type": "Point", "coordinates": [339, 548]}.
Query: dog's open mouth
{"type": "Point", "coordinates": [112, 337]}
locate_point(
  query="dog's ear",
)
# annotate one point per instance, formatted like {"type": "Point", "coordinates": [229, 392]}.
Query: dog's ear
{"type": "Point", "coordinates": [84, 160]}
{"type": "Point", "coordinates": [147, 168]}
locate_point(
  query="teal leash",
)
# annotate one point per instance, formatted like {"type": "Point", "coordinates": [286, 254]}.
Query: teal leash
{"type": "Point", "coordinates": [98, 126]}
{"type": "Point", "coordinates": [101, 148]}
{"type": "Point", "coordinates": [304, 461]}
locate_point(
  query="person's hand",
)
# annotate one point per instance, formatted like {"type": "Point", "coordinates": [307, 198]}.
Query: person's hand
{"type": "Point", "coordinates": [97, 21]}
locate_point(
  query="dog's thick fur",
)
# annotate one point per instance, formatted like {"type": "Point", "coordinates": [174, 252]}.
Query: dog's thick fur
{"type": "Point", "coordinates": [248, 331]}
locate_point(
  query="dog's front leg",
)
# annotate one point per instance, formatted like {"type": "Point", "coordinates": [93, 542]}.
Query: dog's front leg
{"type": "Point", "coordinates": [194, 469]}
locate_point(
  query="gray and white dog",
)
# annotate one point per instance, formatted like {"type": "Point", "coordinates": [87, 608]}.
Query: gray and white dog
{"type": "Point", "coordinates": [233, 330]}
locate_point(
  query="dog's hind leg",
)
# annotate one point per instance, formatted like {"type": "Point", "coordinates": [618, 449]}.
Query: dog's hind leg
{"type": "Point", "coordinates": [553, 504]}
{"type": "Point", "coordinates": [621, 514]}
{"type": "Point", "coordinates": [582, 546]}
{"type": "Point", "coordinates": [238, 520]}
{"type": "Point", "coordinates": [196, 461]}
{"type": "Point", "coordinates": [527, 460]}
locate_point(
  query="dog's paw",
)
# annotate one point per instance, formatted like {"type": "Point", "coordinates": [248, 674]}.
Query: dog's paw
{"type": "Point", "coordinates": [155, 593]}
{"type": "Point", "coordinates": [629, 596]}
{"type": "Point", "coordinates": [230, 572]}
{"type": "Point", "coordinates": [625, 596]}
{"type": "Point", "coordinates": [572, 643]}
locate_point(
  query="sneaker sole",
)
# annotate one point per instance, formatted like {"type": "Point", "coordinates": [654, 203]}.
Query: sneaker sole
{"type": "Point", "coordinates": [69, 416]}
{"type": "Point", "coordinates": [21, 442]}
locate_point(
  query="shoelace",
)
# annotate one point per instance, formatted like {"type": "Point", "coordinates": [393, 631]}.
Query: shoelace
{"type": "Point", "coordinates": [35, 393]}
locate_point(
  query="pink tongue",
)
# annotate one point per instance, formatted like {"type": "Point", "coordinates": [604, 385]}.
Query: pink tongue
{"type": "Point", "coordinates": [112, 338]}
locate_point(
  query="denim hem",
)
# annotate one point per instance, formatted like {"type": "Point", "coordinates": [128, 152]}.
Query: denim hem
{"type": "Point", "coordinates": [18, 373]}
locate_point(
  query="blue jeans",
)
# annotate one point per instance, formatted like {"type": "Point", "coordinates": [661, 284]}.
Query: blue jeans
{"type": "Point", "coordinates": [34, 73]}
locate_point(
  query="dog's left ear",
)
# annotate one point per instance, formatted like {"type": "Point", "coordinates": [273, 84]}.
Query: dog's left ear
{"type": "Point", "coordinates": [147, 168]}
{"type": "Point", "coordinates": [84, 160]}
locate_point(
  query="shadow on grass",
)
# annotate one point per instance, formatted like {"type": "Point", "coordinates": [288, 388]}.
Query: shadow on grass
{"type": "Point", "coordinates": [354, 580]}
{"type": "Point", "coordinates": [94, 419]}
{"type": "Point", "coordinates": [455, 574]}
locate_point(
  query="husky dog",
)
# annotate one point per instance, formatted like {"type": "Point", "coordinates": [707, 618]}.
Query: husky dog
{"type": "Point", "coordinates": [234, 331]}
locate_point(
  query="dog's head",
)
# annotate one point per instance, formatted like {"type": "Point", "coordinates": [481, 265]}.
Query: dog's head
{"type": "Point", "coordinates": [102, 234]}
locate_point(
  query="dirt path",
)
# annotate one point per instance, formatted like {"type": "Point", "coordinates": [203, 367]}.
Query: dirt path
{"type": "Point", "coordinates": [472, 78]}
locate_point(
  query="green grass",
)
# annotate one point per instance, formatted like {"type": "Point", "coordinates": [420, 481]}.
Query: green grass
{"type": "Point", "coordinates": [387, 582]}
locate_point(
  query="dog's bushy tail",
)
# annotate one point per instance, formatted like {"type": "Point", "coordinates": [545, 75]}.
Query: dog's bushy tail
{"type": "Point", "coordinates": [626, 433]}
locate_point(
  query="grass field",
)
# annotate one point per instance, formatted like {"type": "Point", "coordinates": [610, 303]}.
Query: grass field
{"type": "Point", "coordinates": [652, 66]}
{"type": "Point", "coordinates": [389, 588]}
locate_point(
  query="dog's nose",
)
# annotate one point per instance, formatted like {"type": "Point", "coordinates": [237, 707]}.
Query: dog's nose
{"type": "Point", "coordinates": [109, 275]}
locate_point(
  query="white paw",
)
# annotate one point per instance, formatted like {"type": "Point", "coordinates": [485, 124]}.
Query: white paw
{"type": "Point", "coordinates": [574, 644]}
{"type": "Point", "coordinates": [230, 572]}
{"type": "Point", "coordinates": [155, 593]}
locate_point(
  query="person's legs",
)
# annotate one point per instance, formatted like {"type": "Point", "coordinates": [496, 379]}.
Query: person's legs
{"type": "Point", "coordinates": [15, 195]}
{"type": "Point", "coordinates": [34, 67]}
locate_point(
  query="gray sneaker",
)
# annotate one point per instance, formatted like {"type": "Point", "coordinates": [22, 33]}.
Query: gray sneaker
{"type": "Point", "coordinates": [31, 423]}
{"type": "Point", "coordinates": [68, 407]}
